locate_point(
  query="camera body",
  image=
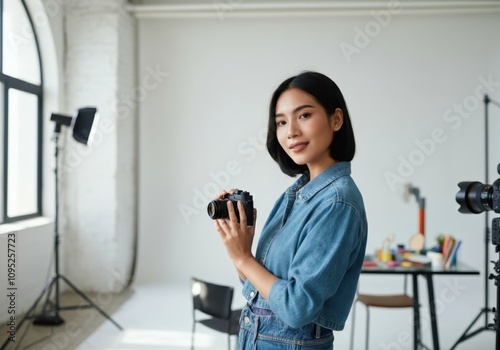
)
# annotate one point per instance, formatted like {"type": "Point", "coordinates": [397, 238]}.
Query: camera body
{"type": "Point", "coordinates": [217, 209]}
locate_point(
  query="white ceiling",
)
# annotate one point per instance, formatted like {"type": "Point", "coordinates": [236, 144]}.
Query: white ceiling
{"type": "Point", "coordinates": [252, 8]}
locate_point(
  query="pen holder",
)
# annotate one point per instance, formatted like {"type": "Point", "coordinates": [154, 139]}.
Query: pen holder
{"type": "Point", "coordinates": [384, 255]}
{"type": "Point", "coordinates": [436, 258]}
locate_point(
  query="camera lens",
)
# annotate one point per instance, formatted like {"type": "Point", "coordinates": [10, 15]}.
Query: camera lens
{"type": "Point", "coordinates": [218, 209]}
{"type": "Point", "coordinates": [212, 209]}
{"type": "Point", "coordinates": [474, 197]}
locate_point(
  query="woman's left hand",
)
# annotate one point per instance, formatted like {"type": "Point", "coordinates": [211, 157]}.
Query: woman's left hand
{"type": "Point", "coordinates": [236, 236]}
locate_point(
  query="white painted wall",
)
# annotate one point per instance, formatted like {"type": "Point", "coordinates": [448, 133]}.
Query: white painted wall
{"type": "Point", "coordinates": [26, 267]}
{"type": "Point", "coordinates": [201, 129]}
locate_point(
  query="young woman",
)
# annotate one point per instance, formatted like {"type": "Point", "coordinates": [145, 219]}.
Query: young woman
{"type": "Point", "coordinates": [301, 283]}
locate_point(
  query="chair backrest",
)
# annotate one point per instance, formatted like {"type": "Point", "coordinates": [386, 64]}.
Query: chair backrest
{"type": "Point", "coordinates": [405, 286]}
{"type": "Point", "coordinates": [212, 299]}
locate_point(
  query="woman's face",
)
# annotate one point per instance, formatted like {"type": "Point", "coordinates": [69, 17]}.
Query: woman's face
{"type": "Point", "coordinates": [305, 131]}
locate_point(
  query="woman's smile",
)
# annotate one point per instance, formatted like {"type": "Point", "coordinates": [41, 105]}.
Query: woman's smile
{"type": "Point", "coordinates": [298, 146]}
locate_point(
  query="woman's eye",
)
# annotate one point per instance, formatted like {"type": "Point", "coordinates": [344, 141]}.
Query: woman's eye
{"type": "Point", "coordinates": [280, 123]}
{"type": "Point", "coordinates": [305, 115]}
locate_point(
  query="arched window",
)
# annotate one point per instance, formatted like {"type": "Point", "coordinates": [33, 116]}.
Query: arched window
{"type": "Point", "coordinates": [21, 98]}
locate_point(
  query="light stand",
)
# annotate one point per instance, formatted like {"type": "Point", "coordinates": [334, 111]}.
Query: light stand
{"type": "Point", "coordinates": [486, 310]}
{"type": "Point", "coordinates": [82, 132]}
{"type": "Point", "coordinates": [495, 224]}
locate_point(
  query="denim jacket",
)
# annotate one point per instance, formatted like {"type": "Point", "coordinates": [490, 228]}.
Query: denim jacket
{"type": "Point", "coordinates": [314, 241]}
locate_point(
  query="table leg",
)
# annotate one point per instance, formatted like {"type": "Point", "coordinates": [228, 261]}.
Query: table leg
{"type": "Point", "coordinates": [416, 313]}
{"type": "Point", "coordinates": [432, 311]}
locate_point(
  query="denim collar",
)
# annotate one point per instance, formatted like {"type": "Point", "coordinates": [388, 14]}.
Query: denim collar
{"type": "Point", "coordinates": [307, 189]}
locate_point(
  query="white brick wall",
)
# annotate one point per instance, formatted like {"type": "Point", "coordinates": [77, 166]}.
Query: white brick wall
{"type": "Point", "coordinates": [99, 209]}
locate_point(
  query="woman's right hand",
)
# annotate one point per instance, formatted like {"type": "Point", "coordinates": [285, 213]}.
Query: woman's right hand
{"type": "Point", "coordinates": [235, 234]}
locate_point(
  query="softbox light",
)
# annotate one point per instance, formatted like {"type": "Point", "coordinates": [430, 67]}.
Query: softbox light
{"type": "Point", "coordinates": [83, 124]}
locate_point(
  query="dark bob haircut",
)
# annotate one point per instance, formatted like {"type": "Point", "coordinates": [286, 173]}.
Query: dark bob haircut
{"type": "Point", "coordinates": [328, 95]}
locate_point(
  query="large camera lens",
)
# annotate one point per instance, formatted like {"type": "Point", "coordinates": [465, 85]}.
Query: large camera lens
{"type": "Point", "coordinates": [218, 209]}
{"type": "Point", "coordinates": [474, 197]}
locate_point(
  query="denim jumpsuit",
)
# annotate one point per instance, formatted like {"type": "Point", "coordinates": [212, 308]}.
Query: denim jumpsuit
{"type": "Point", "coordinates": [314, 241]}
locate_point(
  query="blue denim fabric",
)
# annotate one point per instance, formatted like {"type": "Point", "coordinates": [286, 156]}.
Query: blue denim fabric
{"type": "Point", "coordinates": [314, 240]}
{"type": "Point", "coordinates": [262, 329]}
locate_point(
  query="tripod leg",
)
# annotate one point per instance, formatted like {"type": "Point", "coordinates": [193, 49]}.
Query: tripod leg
{"type": "Point", "coordinates": [80, 293]}
{"type": "Point", "coordinates": [465, 334]}
{"type": "Point", "coordinates": [47, 289]}
{"type": "Point", "coordinates": [47, 297]}
{"type": "Point", "coordinates": [48, 316]}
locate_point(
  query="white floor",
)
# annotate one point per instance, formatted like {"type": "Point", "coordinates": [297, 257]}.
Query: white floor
{"type": "Point", "coordinates": [160, 317]}
{"type": "Point", "coordinates": [154, 317]}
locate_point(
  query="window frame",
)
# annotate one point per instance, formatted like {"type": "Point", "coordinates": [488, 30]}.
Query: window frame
{"type": "Point", "coordinates": [10, 82]}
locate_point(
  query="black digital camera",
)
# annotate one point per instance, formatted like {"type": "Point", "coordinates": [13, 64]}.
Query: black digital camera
{"type": "Point", "coordinates": [217, 209]}
{"type": "Point", "coordinates": [475, 197]}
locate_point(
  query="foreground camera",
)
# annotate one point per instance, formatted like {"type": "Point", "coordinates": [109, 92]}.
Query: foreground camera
{"type": "Point", "coordinates": [217, 209]}
{"type": "Point", "coordinates": [474, 197]}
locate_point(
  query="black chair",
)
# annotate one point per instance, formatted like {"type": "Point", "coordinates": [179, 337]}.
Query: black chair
{"type": "Point", "coordinates": [214, 300]}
